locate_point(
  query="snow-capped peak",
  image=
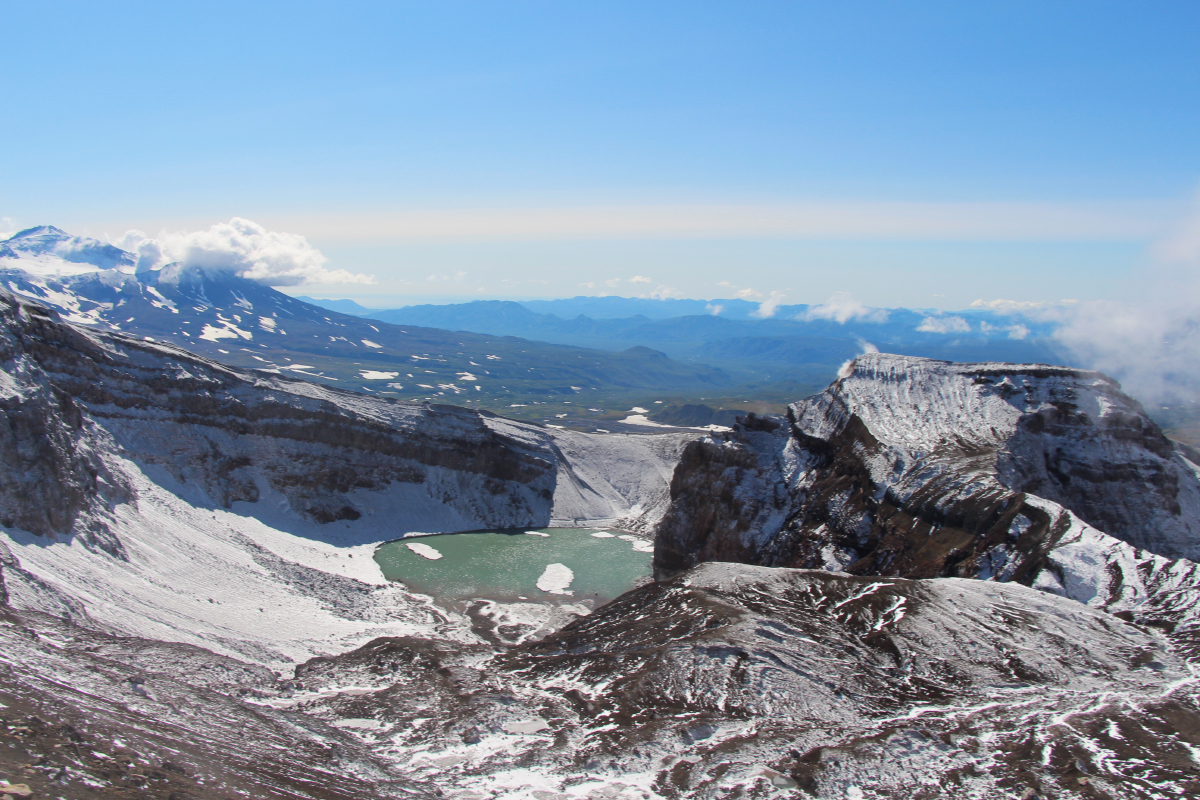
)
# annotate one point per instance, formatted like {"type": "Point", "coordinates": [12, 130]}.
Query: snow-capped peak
{"type": "Point", "coordinates": [46, 249]}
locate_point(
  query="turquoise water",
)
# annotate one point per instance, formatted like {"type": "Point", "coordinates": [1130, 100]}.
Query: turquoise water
{"type": "Point", "coordinates": [506, 565]}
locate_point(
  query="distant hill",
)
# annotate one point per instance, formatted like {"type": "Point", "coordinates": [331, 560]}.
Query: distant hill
{"type": "Point", "coordinates": [618, 307]}
{"type": "Point", "coordinates": [792, 345]}
{"type": "Point", "coordinates": [341, 306]}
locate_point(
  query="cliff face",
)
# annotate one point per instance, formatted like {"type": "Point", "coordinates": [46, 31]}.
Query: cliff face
{"type": "Point", "coordinates": [70, 393]}
{"type": "Point", "coordinates": [917, 468]}
{"type": "Point", "coordinates": [52, 474]}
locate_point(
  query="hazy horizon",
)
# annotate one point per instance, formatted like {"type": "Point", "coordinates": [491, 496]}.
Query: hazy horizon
{"type": "Point", "coordinates": [1017, 154]}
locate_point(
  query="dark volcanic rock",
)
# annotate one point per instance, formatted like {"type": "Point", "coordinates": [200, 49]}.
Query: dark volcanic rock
{"type": "Point", "coordinates": [52, 475]}
{"type": "Point", "coordinates": [817, 677]}
{"type": "Point", "coordinates": [920, 468]}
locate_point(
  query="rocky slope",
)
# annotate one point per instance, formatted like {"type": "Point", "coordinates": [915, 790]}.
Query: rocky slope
{"type": "Point", "coordinates": [730, 680]}
{"type": "Point", "coordinates": [843, 686]}
{"type": "Point", "coordinates": [917, 468]}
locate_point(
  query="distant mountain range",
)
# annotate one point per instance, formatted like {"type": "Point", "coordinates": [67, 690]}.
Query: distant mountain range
{"type": "Point", "coordinates": [592, 357]}
{"type": "Point", "coordinates": [243, 323]}
{"type": "Point", "coordinates": [798, 343]}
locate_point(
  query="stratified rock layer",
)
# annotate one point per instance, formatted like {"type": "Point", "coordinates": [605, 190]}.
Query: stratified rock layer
{"type": "Point", "coordinates": [918, 468]}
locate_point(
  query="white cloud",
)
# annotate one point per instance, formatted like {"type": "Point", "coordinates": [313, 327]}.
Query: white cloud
{"type": "Point", "coordinates": [766, 309]}
{"type": "Point", "coordinates": [746, 294]}
{"type": "Point", "coordinates": [8, 226]}
{"type": "Point", "coordinates": [241, 247]}
{"type": "Point", "coordinates": [1151, 346]}
{"type": "Point", "coordinates": [867, 347]}
{"type": "Point", "coordinates": [842, 308]}
{"type": "Point", "coordinates": [639, 279]}
{"type": "Point", "coordinates": [1183, 245]}
{"type": "Point", "coordinates": [612, 282]}
{"type": "Point", "coordinates": [1017, 331]}
{"type": "Point", "coordinates": [944, 325]}
{"type": "Point", "coordinates": [1007, 305]}
{"type": "Point", "coordinates": [588, 285]}
{"type": "Point", "coordinates": [666, 293]}
{"type": "Point", "coordinates": [714, 308]}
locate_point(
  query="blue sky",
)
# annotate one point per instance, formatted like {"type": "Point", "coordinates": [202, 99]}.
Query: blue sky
{"type": "Point", "coordinates": [922, 154]}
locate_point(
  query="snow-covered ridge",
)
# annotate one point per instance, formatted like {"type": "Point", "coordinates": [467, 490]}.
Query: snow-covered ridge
{"type": "Point", "coordinates": [1066, 435]}
{"type": "Point", "coordinates": [904, 466]}
{"type": "Point", "coordinates": [46, 250]}
{"type": "Point", "coordinates": [233, 318]}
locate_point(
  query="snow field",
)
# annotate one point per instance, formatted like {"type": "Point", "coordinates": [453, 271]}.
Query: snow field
{"type": "Point", "coordinates": [226, 582]}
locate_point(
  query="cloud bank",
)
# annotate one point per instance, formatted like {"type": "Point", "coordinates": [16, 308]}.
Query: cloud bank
{"type": "Point", "coordinates": [767, 308]}
{"type": "Point", "coordinates": [1152, 346]}
{"type": "Point", "coordinates": [842, 308]}
{"type": "Point", "coordinates": [240, 247]}
{"type": "Point", "coordinates": [944, 324]}
{"type": "Point", "coordinates": [814, 219]}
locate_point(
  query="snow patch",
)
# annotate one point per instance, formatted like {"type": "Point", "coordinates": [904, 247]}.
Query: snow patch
{"type": "Point", "coordinates": [228, 331]}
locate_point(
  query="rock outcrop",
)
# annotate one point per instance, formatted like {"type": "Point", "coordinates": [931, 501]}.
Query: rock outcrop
{"type": "Point", "coordinates": [918, 468]}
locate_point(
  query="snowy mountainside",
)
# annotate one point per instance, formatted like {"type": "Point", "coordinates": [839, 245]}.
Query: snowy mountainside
{"type": "Point", "coordinates": [846, 686]}
{"type": "Point", "coordinates": [48, 251]}
{"type": "Point", "coordinates": [729, 680]}
{"type": "Point", "coordinates": [1042, 475]}
{"type": "Point", "coordinates": [168, 489]}
{"type": "Point", "coordinates": [240, 322]}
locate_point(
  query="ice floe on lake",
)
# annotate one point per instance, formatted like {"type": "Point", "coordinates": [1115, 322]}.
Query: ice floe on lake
{"type": "Point", "coordinates": [423, 550]}
{"type": "Point", "coordinates": [555, 579]}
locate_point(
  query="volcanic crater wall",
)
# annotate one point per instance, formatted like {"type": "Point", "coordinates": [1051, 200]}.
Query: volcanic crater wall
{"type": "Point", "coordinates": [76, 402]}
{"type": "Point", "coordinates": [918, 468]}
